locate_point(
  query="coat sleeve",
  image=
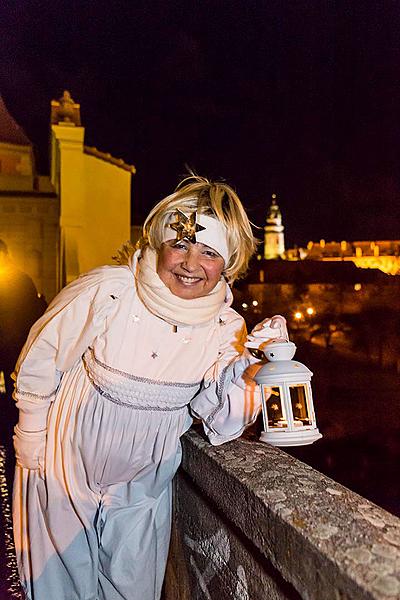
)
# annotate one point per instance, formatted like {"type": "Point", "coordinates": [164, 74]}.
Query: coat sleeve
{"type": "Point", "coordinates": [229, 400]}
{"type": "Point", "coordinates": [59, 338]}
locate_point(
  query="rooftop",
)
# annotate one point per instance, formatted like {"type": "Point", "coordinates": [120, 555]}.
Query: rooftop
{"type": "Point", "coordinates": [118, 162]}
{"type": "Point", "coordinates": [10, 131]}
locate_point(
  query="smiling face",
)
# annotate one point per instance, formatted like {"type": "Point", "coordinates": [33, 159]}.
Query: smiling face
{"type": "Point", "coordinates": [189, 270]}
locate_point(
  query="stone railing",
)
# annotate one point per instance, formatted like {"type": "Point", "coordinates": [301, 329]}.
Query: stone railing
{"type": "Point", "coordinates": [251, 522]}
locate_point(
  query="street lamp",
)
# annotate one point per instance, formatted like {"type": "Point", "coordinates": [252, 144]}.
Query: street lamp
{"type": "Point", "coordinates": [287, 405]}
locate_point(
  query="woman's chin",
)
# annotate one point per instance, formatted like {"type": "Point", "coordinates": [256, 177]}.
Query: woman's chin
{"type": "Point", "coordinates": [188, 293]}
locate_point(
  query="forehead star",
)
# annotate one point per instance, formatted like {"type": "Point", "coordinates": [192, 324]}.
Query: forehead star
{"type": "Point", "coordinates": [186, 226]}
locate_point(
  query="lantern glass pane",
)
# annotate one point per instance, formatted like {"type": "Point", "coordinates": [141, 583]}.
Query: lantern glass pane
{"type": "Point", "coordinates": [298, 398]}
{"type": "Point", "coordinates": [275, 408]}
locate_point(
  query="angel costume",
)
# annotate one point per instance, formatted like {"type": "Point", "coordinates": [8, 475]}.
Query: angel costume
{"type": "Point", "coordinates": [107, 385]}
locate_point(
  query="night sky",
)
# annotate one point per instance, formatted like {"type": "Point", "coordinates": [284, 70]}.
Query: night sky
{"type": "Point", "coordinates": [300, 98]}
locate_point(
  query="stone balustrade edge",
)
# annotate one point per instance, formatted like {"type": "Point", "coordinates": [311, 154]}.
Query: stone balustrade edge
{"type": "Point", "coordinates": [325, 540]}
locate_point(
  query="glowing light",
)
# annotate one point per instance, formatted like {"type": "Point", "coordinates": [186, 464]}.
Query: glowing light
{"type": "Point", "coordinates": [245, 305]}
{"type": "Point", "coordinates": [387, 264]}
{"type": "Point", "coordinates": [255, 303]}
{"type": "Point", "coordinates": [2, 383]}
{"type": "Point", "coordinates": [310, 311]}
{"type": "Point", "coordinates": [298, 315]}
{"type": "Point", "coordinates": [357, 287]}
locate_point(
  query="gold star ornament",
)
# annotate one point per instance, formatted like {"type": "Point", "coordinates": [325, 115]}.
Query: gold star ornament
{"type": "Point", "coordinates": [186, 226]}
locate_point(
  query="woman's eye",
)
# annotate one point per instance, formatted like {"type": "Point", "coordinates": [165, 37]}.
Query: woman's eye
{"type": "Point", "coordinates": [180, 246]}
{"type": "Point", "coordinates": [210, 254]}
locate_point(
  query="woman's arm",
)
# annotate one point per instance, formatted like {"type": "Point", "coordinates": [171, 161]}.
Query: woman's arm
{"type": "Point", "coordinates": [56, 341]}
{"type": "Point", "coordinates": [229, 400]}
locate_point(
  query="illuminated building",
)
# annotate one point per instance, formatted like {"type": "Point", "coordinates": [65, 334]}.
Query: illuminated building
{"type": "Point", "coordinates": [59, 227]}
{"type": "Point", "coordinates": [383, 255]}
{"type": "Point", "coordinates": [29, 207]}
{"type": "Point", "coordinates": [274, 242]}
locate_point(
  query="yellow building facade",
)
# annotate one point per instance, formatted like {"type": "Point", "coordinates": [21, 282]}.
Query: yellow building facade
{"type": "Point", "coordinates": [59, 227]}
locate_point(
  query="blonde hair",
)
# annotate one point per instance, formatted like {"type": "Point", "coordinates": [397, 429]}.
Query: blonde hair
{"type": "Point", "coordinates": [216, 199]}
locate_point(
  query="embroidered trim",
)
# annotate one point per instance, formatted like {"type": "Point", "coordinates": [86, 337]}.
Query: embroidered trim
{"type": "Point", "coordinates": [136, 392]}
{"type": "Point", "coordinates": [143, 379]}
{"type": "Point", "coordinates": [220, 391]}
{"type": "Point", "coordinates": [135, 406]}
{"type": "Point", "coordinates": [20, 392]}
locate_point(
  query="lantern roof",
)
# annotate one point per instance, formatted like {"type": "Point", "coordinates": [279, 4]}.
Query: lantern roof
{"type": "Point", "coordinates": [283, 370]}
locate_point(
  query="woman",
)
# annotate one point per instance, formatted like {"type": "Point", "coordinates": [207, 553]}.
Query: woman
{"type": "Point", "coordinates": [104, 385]}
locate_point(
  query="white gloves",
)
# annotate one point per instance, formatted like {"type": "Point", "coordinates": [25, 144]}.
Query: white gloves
{"type": "Point", "coordinates": [269, 330]}
{"type": "Point", "coordinates": [29, 448]}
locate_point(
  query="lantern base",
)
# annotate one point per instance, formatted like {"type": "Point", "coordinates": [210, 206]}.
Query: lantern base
{"type": "Point", "coordinates": [290, 438]}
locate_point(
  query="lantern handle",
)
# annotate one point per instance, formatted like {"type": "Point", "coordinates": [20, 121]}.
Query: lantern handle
{"type": "Point", "coordinates": [279, 322]}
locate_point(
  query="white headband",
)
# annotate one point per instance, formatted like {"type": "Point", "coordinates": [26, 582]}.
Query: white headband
{"type": "Point", "coordinates": [197, 227]}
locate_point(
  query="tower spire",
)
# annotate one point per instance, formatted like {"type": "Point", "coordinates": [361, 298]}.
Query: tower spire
{"type": "Point", "coordinates": [274, 242]}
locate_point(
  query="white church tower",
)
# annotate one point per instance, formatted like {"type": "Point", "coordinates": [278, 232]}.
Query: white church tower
{"type": "Point", "coordinates": [274, 242]}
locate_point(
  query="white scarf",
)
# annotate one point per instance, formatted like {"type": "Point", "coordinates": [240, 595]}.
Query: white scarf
{"type": "Point", "coordinates": [160, 301]}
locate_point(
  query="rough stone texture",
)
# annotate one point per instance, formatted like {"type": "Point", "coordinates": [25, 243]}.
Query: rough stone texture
{"type": "Point", "coordinates": [217, 560]}
{"type": "Point", "coordinates": [252, 522]}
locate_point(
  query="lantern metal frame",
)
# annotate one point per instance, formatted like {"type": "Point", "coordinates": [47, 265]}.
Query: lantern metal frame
{"type": "Point", "coordinates": [284, 373]}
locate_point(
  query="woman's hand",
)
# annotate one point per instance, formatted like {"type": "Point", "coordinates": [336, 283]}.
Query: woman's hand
{"type": "Point", "coordinates": [29, 448]}
{"type": "Point", "coordinates": [269, 330]}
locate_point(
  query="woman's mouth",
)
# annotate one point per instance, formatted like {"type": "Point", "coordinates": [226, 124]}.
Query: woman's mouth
{"type": "Point", "coordinates": [186, 280]}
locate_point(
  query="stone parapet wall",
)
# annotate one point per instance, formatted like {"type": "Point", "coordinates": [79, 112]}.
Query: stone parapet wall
{"type": "Point", "coordinates": [251, 522]}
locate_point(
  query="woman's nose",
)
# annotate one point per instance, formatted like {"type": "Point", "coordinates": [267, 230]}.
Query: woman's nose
{"type": "Point", "coordinates": [191, 262]}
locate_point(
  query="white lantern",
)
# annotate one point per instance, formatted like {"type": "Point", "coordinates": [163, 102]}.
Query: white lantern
{"type": "Point", "coordinates": [287, 404]}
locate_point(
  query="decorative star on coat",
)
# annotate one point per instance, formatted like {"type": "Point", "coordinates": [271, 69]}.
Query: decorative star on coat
{"type": "Point", "coordinates": [186, 226]}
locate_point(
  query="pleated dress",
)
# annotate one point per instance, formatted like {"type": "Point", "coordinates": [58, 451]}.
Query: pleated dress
{"type": "Point", "coordinates": [113, 385]}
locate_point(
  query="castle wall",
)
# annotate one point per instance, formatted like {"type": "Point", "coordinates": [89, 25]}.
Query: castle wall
{"type": "Point", "coordinates": [29, 227]}
{"type": "Point", "coordinates": [16, 167]}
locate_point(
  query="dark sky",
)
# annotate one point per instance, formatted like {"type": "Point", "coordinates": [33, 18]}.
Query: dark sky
{"type": "Point", "coordinates": [301, 98]}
